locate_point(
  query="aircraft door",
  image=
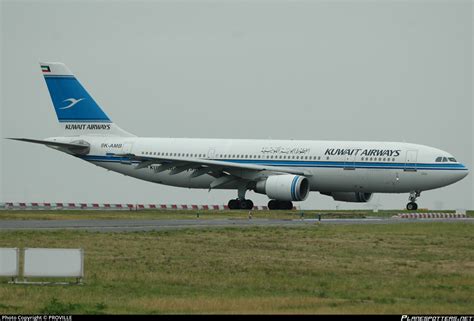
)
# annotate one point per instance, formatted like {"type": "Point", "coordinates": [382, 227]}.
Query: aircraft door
{"type": "Point", "coordinates": [410, 161]}
{"type": "Point", "coordinates": [126, 149]}
{"type": "Point", "coordinates": [211, 153]}
{"type": "Point", "coordinates": [349, 162]}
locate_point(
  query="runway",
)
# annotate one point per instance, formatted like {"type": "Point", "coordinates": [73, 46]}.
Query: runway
{"type": "Point", "coordinates": [160, 225]}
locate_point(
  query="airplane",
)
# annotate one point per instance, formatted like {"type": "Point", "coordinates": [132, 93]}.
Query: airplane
{"type": "Point", "coordinates": [284, 170]}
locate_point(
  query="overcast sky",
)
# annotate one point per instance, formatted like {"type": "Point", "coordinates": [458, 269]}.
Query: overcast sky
{"type": "Point", "coordinates": [354, 70]}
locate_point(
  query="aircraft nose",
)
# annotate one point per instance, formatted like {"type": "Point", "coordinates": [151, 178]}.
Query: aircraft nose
{"type": "Point", "coordinates": [463, 173]}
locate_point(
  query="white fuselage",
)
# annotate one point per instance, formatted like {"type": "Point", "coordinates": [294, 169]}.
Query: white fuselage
{"type": "Point", "coordinates": [334, 166]}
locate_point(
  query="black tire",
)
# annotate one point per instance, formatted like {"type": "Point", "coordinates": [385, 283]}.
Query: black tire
{"type": "Point", "coordinates": [280, 205]}
{"type": "Point", "coordinates": [412, 206]}
{"type": "Point", "coordinates": [285, 205]}
{"type": "Point", "coordinates": [288, 205]}
{"type": "Point", "coordinates": [273, 205]}
{"type": "Point", "coordinates": [246, 204]}
{"type": "Point", "coordinates": [233, 204]}
{"type": "Point", "coordinates": [249, 205]}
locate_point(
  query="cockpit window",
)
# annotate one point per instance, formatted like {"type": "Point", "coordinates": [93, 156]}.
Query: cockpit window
{"type": "Point", "coordinates": [445, 159]}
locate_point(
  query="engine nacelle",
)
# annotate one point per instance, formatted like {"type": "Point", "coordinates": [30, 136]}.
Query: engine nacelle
{"type": "Point", "coordinates": [284, 187]}
{"type": "Point", "coordinates": [355, 197]}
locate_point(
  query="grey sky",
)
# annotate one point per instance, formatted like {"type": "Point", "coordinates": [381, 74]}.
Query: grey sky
{"type": "Point", "coordinates": [385, 71]}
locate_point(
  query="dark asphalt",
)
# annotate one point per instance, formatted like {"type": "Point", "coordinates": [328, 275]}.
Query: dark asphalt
{"type": "Point", "coordinates": [160, 225]}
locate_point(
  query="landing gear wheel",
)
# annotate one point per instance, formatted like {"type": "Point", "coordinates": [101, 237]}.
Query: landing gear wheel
{"type": "Point", "coordinates": [238, 204]}
{"type": "Point", "coordinates": [280, 205]}
{"type": "Point", "coordinates": [273, 205]}
{"type": "Point", "coordinates": [288, 205]}
{"type": "Point", "coordinates": [233, 204]}
{"type": "Point", "coordinates": [412, 206]}
{"type": "Point", "coordinates": [246, 204]}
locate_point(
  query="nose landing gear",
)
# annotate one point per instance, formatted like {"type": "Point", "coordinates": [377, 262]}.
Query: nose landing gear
{"type": "Point", "coordinates": [412, 206]}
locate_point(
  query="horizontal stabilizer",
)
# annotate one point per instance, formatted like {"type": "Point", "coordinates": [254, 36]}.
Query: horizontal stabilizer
{"type": "Point", "coordinates": [73, 147]}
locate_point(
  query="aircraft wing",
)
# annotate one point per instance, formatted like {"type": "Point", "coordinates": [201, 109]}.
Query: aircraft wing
{"type": "Point", "coordinates": [224, 170]}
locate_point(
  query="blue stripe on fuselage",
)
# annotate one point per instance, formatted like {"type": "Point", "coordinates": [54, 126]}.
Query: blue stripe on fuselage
{"type": "Point", "coordinates": [321, 164]}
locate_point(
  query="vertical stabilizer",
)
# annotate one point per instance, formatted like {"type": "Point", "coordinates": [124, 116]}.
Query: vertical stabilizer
{"type": "Point", "coordinates": [77, 112]}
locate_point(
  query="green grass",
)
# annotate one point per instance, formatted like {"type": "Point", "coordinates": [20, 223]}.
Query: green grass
{"type": "Point", "coordinates": [189, 214]}
{"type": "Point", "coordinates": [396, 268]}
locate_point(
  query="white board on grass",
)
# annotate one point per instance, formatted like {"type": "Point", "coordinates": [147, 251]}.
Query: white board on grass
{"type": "Point", "coordinates": [9, 262]}
{"type": "Point", "coordinates": [54, 263]}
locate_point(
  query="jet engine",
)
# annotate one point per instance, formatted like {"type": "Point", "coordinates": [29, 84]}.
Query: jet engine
{"type": "Point", "coordinates": [356, 197]}
{"type": "Point", "coordinates": [284, 187]}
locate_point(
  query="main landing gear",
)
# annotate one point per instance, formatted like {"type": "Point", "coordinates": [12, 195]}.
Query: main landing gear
{"type": "Point", "coordinates": [245, 204]}
{"type": "Point", "coordinates": [240, 204]}
{"type": "Point", "coordinates": [412, 206]}
{"type": "Point", "coordinates": [280, 205]}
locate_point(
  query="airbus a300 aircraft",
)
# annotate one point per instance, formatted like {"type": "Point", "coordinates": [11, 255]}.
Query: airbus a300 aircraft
{"type": "Point", "coordinates": [285, 170]}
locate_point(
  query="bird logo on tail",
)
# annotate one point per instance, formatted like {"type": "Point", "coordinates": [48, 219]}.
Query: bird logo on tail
{"type": "Point", "coordinates": [73, 101]}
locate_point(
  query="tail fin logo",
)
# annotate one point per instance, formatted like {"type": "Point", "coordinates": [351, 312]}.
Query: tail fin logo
{"type": "Point", "coordinates": [73, 102]}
